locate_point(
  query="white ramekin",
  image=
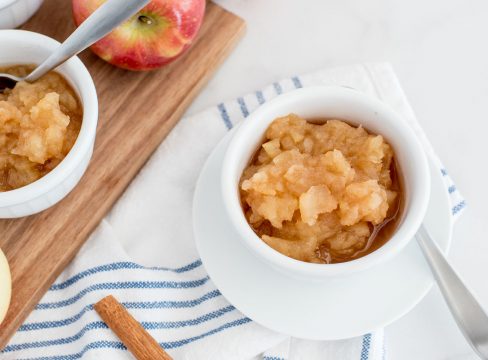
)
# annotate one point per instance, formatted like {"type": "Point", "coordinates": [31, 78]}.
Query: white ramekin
{"type": "Point", "coordinates": [25, 47]}
{"type": "Point", "coordinates": [14, 13]}
{"type": "Point", "coordinates": [338, 103]}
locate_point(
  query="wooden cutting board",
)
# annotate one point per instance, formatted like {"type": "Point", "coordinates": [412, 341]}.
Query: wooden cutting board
{"type": "Point", "coordinates": [137, 110]}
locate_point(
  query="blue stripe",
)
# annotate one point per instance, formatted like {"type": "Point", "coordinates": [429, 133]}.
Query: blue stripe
{"type": "Point", "coordinates": [167, 345]}
{"type": "Point", "coordinates": [152, 325]}
{"type": "Point", "coordinates": [125, 285]}
{"type": "Point", "coordinates": [104, 344]}
{"type": "Point", "coordinates": [225, 116]}
{"type": "Point", "coordinates": [179, 343]}
{"type": "Point", "coordinates": [62, 341]}
{"type": "Point", "coordinates": [101, 325]}
{"type": "Point", "coordinates": [458, 207]}
{"type": "Point", "coordinates": [172, 304]}
{"type": "Point", "coordinates": [444, 172]}
{"type": "Point", "coordinates": [243, 106]}
{"type": "Point", "coordinates": [128, 305]}
{"type": "Point", "coordinates": [118, 266]}
{"type": "Point", "coordinates": [451, 189]}
{"type": "Point", "coordinates": [365, 347]}
{"type": "Point", "coordinates": [55, 323]}
{"type": "Point", "coordinates": [296, 82]}
{"type": "Point", "coordinates": [278, 88]}
{"type": "Point", "coordinates": [260, 97]}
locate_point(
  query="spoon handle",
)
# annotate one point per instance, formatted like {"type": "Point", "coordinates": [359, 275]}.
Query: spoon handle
{"type": "Point", "coordinates": [103, 20]}
{"type": "Point", "coordinates": [469, 315]}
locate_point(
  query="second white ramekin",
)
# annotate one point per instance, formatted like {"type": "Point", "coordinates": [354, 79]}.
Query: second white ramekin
{"type": "Point", "coordinates": [336, 103]}
{"type": "Point", "coordinates": [25, 47]}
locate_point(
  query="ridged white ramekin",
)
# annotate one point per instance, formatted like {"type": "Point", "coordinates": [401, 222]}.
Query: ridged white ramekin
{"type": "Point", "coordinates": [336, 103]}
{"type": "Point", "coordinates": [25, 47]}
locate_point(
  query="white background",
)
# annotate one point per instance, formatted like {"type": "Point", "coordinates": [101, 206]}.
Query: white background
{"type": "Point", "coordinates": [439, 50]}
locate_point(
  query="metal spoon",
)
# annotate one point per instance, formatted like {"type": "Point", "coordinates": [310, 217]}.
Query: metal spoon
{"type": "Point", "coordinates": [103, 20]}
{"type": "Point", "coordinates": [469, 315]}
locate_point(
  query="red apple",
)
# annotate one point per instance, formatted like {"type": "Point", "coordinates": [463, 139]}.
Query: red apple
{"type": "Point", "coordinates": [155, 36]}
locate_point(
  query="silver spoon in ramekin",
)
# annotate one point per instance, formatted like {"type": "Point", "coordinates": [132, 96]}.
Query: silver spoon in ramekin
{"type": "Point", "coordinates": [108, 16]}
{"type": "Point", "coordinates": [466, 310]}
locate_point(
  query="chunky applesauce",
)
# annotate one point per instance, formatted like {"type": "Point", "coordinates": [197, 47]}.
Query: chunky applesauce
{"type": "Point", "coordinates": [39, 123]}
{"type": "Point", "coordinates": [321, 192]}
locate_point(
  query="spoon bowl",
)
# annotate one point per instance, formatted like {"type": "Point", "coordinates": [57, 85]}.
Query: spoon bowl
{"type": "Point", "coordinates": [8, 81]}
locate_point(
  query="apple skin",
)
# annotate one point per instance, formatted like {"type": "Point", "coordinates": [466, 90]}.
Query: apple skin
{"type": "Point", "coordinates": [155, 36]}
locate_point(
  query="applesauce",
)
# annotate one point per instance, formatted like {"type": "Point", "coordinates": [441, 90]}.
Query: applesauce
{"type": "Point", "coordinates": [323, 192]}
{"type": "Point", "coordinates": [39, 123]}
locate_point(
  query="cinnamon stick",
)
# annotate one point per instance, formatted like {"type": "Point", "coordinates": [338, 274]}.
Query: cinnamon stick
{"type": "Point", "coordinates": [142, 345]}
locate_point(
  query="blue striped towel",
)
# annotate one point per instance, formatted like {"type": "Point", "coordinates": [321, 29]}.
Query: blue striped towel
{"type": "Point", "coordinates": [176, 301]}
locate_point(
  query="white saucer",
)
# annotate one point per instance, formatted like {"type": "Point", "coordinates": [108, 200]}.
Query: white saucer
{"type": "Point", "coordinates": [331, 310]}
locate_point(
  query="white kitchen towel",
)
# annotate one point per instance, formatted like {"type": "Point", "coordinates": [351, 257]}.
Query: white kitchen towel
{"type": "Point", "coordinates": [175, 300]}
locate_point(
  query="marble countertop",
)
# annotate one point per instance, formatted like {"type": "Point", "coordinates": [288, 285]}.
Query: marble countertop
{"type": "Point", "coordinates": [437, 51]}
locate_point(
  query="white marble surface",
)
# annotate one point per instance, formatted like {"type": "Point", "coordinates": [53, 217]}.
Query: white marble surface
{"type": "Point", "coordinates": [438, 50]}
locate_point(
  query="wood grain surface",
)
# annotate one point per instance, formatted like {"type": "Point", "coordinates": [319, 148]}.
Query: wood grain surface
{"type": "Point", "coordinates": [137, 110]}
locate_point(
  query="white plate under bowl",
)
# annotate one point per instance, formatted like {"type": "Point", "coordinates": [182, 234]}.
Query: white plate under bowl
{"type": "Point", "coordinates": [330, 310]}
